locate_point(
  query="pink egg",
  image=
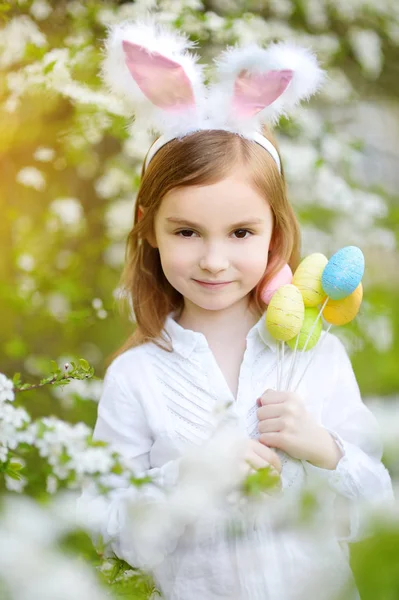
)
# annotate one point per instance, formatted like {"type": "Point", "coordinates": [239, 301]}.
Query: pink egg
{"type": "Point", "coordinates": [283, 277]}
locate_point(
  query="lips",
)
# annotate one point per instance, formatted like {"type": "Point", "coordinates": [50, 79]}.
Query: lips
{"type": "Point", "coordinates": [212, 285]}
{"type": "Point", "coordinates": [212, 282]}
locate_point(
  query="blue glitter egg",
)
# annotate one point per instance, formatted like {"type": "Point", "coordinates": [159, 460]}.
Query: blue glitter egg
{"type": "Point", "coordinates": [343, 272]}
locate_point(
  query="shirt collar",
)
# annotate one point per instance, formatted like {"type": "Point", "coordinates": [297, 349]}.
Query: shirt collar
{"type": "Point", "coordinates": [185, 341]}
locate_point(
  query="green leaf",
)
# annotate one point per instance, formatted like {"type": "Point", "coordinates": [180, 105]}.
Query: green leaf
{"type": "Point", "coordinates": [13, 474]}
{"type": "Point", "coordinates": [54, 366]}
{"type": "Point", "coordinates": [64, 457]}
{"type": "Point", "coordinates": [48, 68]}
{"type": "Point", "coordinates": [85, 365]}
{"type": "Point", "coordinates": [16, 379]}
{"type": "Point", "coordinates": [263, 480]}
{"type": "Point", "coordinates": [16, 466]}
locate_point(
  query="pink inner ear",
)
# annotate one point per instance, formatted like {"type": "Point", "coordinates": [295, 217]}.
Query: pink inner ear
{"type": "Point", "coordinates": [161, 79]}
{"type": "Point", "coordinates": [253, 92]}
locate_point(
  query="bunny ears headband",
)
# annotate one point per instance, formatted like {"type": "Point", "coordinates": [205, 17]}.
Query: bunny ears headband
{"type": "Point", "coordinates": [161, 82]}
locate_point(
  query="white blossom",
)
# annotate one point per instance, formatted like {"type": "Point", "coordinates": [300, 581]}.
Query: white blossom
{"type": "Point", "coordinates": [58, 305]}
{"type": "Point", "coordinates": [31, 177]}
{"type": "Point", "coordinates": [113, 182]}
{"type": "Point", "coordinates": [337, 88]}
{"type": "Point", "coordinates": [366, 46]}
{"type": "Point", "coordinates": [298, 159]}
{"type": "Point", "coordinates": [30, 536]}
{"type": "Point", "coordinates": [69, 211]}
{"type": "Point", "coordinates": [76, 8]}
{"type": "Point", "coordinates": [26, 262]}
{"type": "Point", "coordinates": [6, 389]}
{"type": "Point", "coordinates": [97, 303]}
{"type": "Point", "coordinates": [316, 14]}
{"type": "Point", "coordinates": [15, 485]}
{"type": "Point", "coordinates": [92, 460]}
{"type": "Point", "coordinates": [26, 285]}
{"type": "Point", "coordinates": [214, 21]}
{"type": "Point", "coordinates": [136, 146]}
{"type": "Point", "coordinates": [40, 10]}
{"type": "Point", "coordinates": [14, 36]}
{"type": "Point", "coordinates": [281, 8]}
{"type": "Point", "coordinates": [77, 39]}
{"type": "Point", "coordinates": [3, 453]}
{"type": "Point", "coordinates": [11, 104]}
{"type": "Point", "coordinates": [89, 389]}
{"type": "Point", "coordinates": [44, 154]}
{"type": "Point", "coordinates": [119, 217]}
{"type": "Point", "coordinates": [114, 254]}
{"type": "Point", "coordinates": [51, 484]}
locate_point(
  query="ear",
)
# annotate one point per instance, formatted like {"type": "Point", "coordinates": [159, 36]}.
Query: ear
{"type": "Point", "coordinates": [162, 80]}
{"type": "Point", "coordinates": [254, 91]}
{"type": "Point", "coordinates": [151, 239]}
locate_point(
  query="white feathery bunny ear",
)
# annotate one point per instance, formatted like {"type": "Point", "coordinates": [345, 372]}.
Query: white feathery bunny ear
{"type": "Point", "coordinates": [151, 69]}
{"type": "Point", "coordinates": [259, 85]}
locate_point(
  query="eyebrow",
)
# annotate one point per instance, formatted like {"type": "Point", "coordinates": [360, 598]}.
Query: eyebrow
{"type": "Point", "coordinates": [247, 223]}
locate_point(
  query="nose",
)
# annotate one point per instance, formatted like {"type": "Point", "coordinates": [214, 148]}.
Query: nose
{"type": "Point", "coordinates": [214, 258]}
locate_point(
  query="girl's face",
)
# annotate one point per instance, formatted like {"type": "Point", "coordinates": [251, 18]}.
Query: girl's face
{"type": "Point", "coordinates": [218, 233]}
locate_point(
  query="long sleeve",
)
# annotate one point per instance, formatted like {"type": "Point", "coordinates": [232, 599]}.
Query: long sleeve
{"type": "Point", "coordinates": [360, 475]}
{"type": "Point", "coordinates": [123, 423]}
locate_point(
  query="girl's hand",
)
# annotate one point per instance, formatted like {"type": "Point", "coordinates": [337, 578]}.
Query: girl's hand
{"type": "Point", "coordinates": [284, 423]}
{"type": "Point", "coordinates": [258, 456]}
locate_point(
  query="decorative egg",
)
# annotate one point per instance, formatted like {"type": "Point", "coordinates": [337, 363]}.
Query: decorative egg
{"type": "Point", "coordinates": [307, 278]}
{"type": "Point", "coordinates": [284, 316]}
{"type": "Point", "coordinates": [310, 317]}
{"type": "Point", "coordinates": [341, 312]}
{"type": "Point", "coordinates": [343, 272]}
{"type": "Point", "coordinates": [282, 277]}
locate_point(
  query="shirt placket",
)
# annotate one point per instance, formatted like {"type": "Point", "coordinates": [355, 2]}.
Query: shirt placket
{"type": "Point", "coordinates": [219, 385]}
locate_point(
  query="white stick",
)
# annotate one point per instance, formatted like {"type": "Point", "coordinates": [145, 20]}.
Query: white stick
{"type": "Point", "coordinates": [312, 358]}
{"type": "Point", "coordinates": [278, 364]}
{"type": "Point", "coordinates": [291, 369]}
{"type": "Point", "coordinates": [311, 332]}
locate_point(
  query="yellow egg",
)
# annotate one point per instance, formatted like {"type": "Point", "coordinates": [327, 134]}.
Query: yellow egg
{"type": "Point", "coordinates": [307, 278]}
{"type": "Point", "coordinates": [341, 312]}
{"type": "Point", "coordinates": [285, 313]}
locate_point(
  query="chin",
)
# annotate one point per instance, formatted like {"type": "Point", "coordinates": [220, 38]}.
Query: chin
{"type": "Point", "coordinates": [214, 304]}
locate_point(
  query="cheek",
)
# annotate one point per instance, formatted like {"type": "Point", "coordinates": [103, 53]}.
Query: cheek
{"type": "Point", "coordinates": [254, 259]}
{"type": "Point", "coordinates": [174, 259]}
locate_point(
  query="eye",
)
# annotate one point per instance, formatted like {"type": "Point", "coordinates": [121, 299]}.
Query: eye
{"type": "Point", "coordinates": [183, 231]}
{"type": "Point", "coordinates": [243, 231]}
{"type": "Point", "coordinates": [186, 233]}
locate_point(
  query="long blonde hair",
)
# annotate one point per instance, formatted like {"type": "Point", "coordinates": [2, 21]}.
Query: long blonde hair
{"type": "Point", "coordinates": [202, 158]}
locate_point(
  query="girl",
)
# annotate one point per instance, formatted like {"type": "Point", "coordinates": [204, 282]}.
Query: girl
{"type": "Point", "coordinates": [212, 225]}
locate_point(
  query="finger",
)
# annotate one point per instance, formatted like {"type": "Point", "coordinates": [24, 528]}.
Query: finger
{"type": "Point", "coordinates": [270, 425]}
{"type": "Point", "coordinates": [255, 461]}
{"type": "Point", "coordinates": [270, 411]}
{"type": "Point", "coordinates": [270, 456]}
{"type": "Point", "coordinates": [272, 440]}
{"type": "Point", "coordinates": [272, 397]}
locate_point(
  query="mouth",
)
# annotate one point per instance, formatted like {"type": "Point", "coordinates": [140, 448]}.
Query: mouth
{"type": "Point", "coordinates": [212, 284]}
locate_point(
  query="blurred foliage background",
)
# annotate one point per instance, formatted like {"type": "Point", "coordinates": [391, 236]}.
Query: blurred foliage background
{"type": "Point", "coordinates": [70, 170]}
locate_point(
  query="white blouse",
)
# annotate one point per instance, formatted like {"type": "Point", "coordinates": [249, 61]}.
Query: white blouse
{"type": "Point", "coordinates": [156, 405]}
